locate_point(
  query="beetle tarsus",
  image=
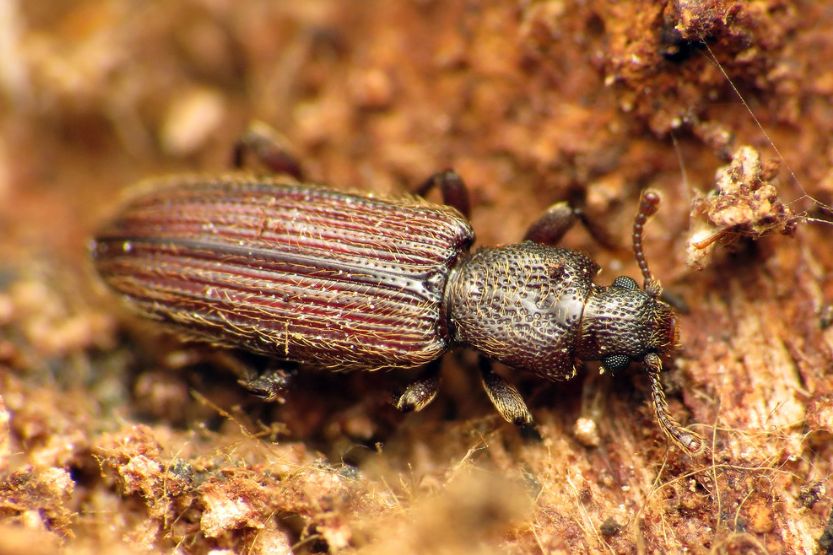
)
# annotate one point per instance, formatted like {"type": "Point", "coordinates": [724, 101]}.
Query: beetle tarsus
{"type": "Point", "coordinates": [419, 394]}
{"type": "Point", "coordinates": [505, 397]}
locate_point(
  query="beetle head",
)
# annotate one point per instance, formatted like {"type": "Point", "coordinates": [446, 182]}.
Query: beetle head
{"type": "Point", "coordinates": [623, 323]}
{"type": "Point", "coordinates": [657, 322]}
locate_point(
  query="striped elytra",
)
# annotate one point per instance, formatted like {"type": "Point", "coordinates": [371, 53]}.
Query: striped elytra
{"type": "Point", "coordinates": [307, 274]}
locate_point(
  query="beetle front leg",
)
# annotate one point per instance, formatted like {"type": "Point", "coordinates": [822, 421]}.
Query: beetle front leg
{"type": "Point", "coordinates": [269, 147]}
{"type": "Point", "coordinates": [418, 394]}
{"type": "Point", "coordinates": [453, 189]}
{"type": "Point", "coordinates": [505, 397]}
{"type": "Point", "coordinates": [553, 224]}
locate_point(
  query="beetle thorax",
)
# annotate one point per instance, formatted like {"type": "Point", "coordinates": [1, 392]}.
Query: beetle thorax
{"type": "Point", "coordinates": [521, 305]}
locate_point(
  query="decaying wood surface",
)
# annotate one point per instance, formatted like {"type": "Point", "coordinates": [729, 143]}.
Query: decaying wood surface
{"type": "Point", "coordinates": [114, 437]}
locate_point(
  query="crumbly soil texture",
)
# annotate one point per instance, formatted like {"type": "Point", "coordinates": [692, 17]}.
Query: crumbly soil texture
{"type": "Point", "coordinates": [118, 438]}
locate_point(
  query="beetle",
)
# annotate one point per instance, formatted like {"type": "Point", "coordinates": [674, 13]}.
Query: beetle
{"type": "Point", "coordinates": [358, 281]}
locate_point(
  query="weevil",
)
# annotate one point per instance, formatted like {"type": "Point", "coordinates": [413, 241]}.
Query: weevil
{"type": "Point", "coordinates": [357, 281]}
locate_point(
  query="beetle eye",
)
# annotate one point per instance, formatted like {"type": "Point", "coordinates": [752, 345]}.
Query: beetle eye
{"type": "Point", "coordinates": [616, 362]}
{"type": "Point", "coordinates": [625, 282]}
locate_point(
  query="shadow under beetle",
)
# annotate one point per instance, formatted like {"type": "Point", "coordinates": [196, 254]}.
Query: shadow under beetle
{"type": "Point", "coordinates": [356, 281]}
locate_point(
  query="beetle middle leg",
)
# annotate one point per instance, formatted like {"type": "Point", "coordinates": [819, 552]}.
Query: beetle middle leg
{"type": "Point", "coordinates": [269, 147]}
{"type": "Point", "coordinates": [418, 394]}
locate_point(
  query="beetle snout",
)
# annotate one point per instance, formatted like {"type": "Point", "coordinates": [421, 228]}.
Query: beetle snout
{"type": "Point", "coordinates": [666, 331]}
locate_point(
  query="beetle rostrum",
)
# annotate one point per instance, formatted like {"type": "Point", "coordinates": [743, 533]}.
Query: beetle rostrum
{"type": "Point", "coordinates": [351, 281]}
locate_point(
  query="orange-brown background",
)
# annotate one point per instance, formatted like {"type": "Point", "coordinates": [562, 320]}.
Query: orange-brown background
{"type": "Point", "coordinates": [109, 441]}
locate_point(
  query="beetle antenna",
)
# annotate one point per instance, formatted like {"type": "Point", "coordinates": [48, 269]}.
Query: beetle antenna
{"type": "Point", "coordinates": [648, 206]}
{"type": "Point", "coordinates": [685, 438]}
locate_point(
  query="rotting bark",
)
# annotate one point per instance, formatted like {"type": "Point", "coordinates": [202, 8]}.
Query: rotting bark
{"type": "Point", "coordinates": [531, 102]}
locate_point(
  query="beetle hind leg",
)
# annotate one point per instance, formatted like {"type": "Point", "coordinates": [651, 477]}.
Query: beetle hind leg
{"type": "Point", "coordinates": [505, 397]}
{"type": "Point", "coordinates": [270, 385]}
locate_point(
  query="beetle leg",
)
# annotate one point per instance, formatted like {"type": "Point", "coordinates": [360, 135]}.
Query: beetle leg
{"type": "Point", "coordinates": [269, 385]}
{"type": "Point", "coordinates": [269, 147]}
{"type": "Point", "coordinates": [419, 394]}
{"type": "Point", "coordinates": [553, 224]}
{"type": "Point", "coordinates": [558, 219]}
{"type": "Point", "coordinates": [453, 188]}
{"type": "Point", "coordinates": [551, 227]}
{"type": "Point", "coordinates": [505, 397]}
